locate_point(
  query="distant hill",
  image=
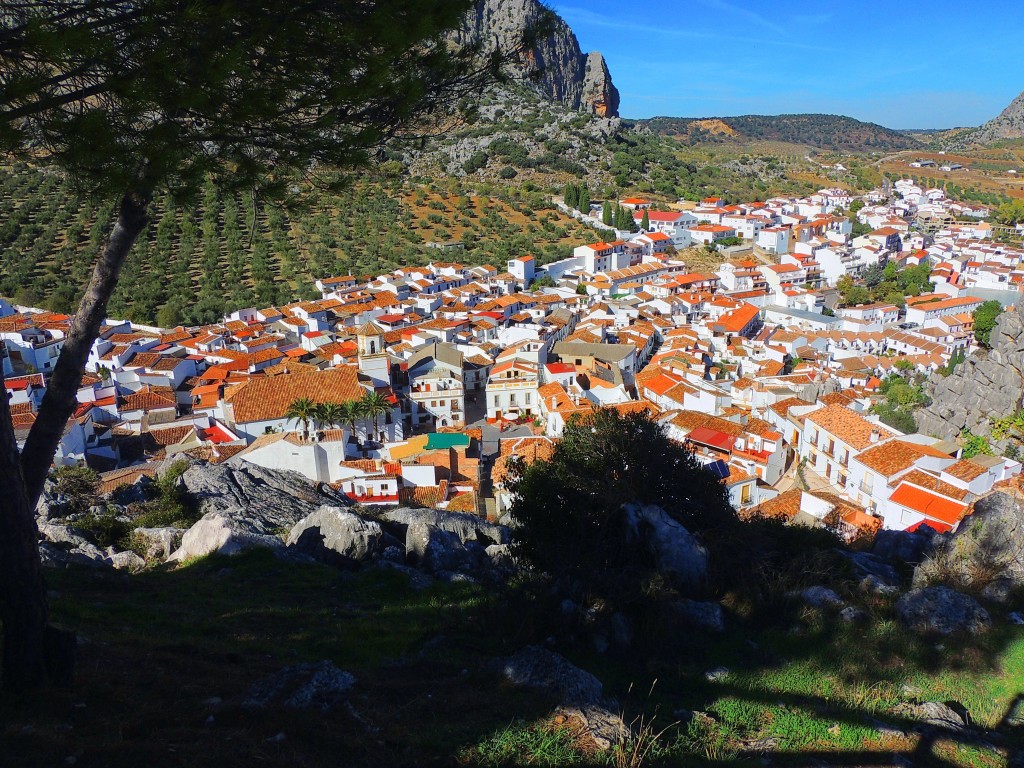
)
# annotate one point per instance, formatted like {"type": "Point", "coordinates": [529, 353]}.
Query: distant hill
{"type": "Point", "coordinates": [833, 132]}
{"type": "Point", "coordinates": [1008, 124]}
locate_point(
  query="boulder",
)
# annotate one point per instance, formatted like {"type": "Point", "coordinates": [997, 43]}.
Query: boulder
{"type": "Point", "coordinates": [579, 692]}
{"type": "Point", "coordinates": [698, 613]}
{"type": "Point", "coordinates": [125, 561]}
{"type": "Point", "coordinates": [434, 549]}
{"type": "Point", "coordinates": [245, 505]}
{"type": "Point", "coordinates": [218, 533]}
{"type": "Point", "coordinates": [821, 598]}
{"type": "Point", "coordinates": [942, 611]}
{"type": "Point", "coordinates": [677, 553]}
{"type": "Point", "coordinates": [902, 546]}
{"type": "Point", "coordinates": [160, 543]}
{"type": "Point", "coordinates": [987, 546]}
{"type": "Point", "coordinates": [63, 534]}
{"type": "Point", "coordinates": [868, 565]}
{"type": "Point", "coordinates": [338, 537]}
{"type": "Point", "coordinates": [937, 715]}
{"type": "Point", "coordinates": [320, 686]}
{"type": "Point", "coordinates": [536, 667]}
{"type": "Point", "coordinates": [267, 500]}
{"type": "Point", "coordinates": [466, 527]}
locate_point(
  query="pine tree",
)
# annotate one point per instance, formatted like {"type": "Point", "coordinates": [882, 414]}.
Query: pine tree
{"type": "Point", "coordinates": [606, 214]}
{"type": "Point", "coordinates": [584, 199]}
{"type": "Point", "coordinates": [645, 222]}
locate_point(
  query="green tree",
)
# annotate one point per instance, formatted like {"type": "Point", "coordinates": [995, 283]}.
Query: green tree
{"type": "Point", "coordinates": [130, 98]}
{"type": "Point", "coordinates": [985, 320]}
{"type": "Point", "coordinates": [350, 414]}
{"type": "Point", "coordinates": [571, 195]}
{"type": "Point", "coordinates": [569, 512]}
{"type": "Point", "coordinates": [645, 221]}
{"type": "Point", "coordinates": [606, 214]}
{"type": "Point", "coordinates": [329, 414]}
{"type": "Point", "coordinates": [583, 199]}
{"type": "Point", "coordinates": [303, 410]}
{"type": "Point", "coordinates": [373, 405]}
{"type": "Point", "coordinates": [974, 445]}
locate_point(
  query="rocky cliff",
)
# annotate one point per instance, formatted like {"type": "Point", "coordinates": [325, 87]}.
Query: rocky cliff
{"type": "Point", "coordinates": [555, 66]}
{"type": "Point", "coordinates": [1009, 124]}
{"type": "Point", "coordinates": [988, 384]}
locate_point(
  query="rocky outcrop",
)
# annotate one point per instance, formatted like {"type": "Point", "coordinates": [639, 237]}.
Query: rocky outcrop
{"type": "Point", "coordinates": [246, 506]}
{"type": "Point", "coordinates": [987, 548]}
{"type": "Point", "coordinates": [1008, 124]}
{"type": "Point", "coordinates": [554, 64]}
{"type": "Point", "coordinates": [338, 537]}
{"type": "Point", "coordinates": [988, 383]}
{"type": "Point", "coordinates": [941, 611]}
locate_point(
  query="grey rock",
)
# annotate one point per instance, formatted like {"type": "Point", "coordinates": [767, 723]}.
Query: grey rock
{"type": "Point", "coordinates": [1016, 617]}
{"type": "Point", "coordinates": [942, 611]}
{"type": "Point", "coordinates": [872, 585]}
{"type": "Point", "coordinates": [338, 537]}
{"type": "Point", "coordinates": [52, 556]}
{"type": "Point", "coordinates": [935, 714]}
{"type": "Point", "coordinates": [989, 544]}
{"type": "Point", "coordinates": [580, 693]}
{"type": "Point", "coordinates": [676, 552]}
{"type": "Point", "coordinates": [126, 561]}
{"type": "Point", "coordinates": [717, 674]}
{"type": "Point", "coordinates": [536, 667]}
{"type": "Point", "coordinates": [500, 557]}
{"type": "Point", "coordinates": [821, 598]}
{"type": "Point", "coordinates": [63, 534]}
{"type": "Point", "coordinates": [868, 565]}
{"type": "Point", "coordinates": [699, 613]}
{"type": "Point", "coordinates": [853, 615]}
{"type": "Point", "coordinates": [901, 546]}
{"type": "Point", "coordinates": [434, 549]}
{"type": "Point", "coordinates": [319, 685]}
{"type": "Point", "coordinates": [160, 542]}
{"type": "Point", "coordinates": [217, 533]}
{"type": "Point", "coordinates": [998, 591]}
{"type": "Point", "coordinates": [466, 527]}
{"type": "Point", "coordinates": [244, 506]}
{"type": "Point", "coordinates": [566, 75]}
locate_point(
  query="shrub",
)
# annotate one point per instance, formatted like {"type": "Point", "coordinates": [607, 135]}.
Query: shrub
{"type": "Point", "coordinates": [568, 509]}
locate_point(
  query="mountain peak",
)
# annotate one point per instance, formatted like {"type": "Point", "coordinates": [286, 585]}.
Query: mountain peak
{"type": "Point", "coordinates": [555, 65]}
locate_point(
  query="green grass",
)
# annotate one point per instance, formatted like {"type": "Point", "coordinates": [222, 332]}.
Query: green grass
{"type": "Point", "coordinates": [159, 646]}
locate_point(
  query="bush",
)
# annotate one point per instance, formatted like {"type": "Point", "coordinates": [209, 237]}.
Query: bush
{"type": "Point", "coordinates": [568, 509]}
{"type": "Point", "coordinates": [80, 485]}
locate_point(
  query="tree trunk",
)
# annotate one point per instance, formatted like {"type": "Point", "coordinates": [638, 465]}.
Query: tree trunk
{"type": "Point", "coordinates": [61, 390]}
{"type": "Point", "coordinates": [23, 605]}
{"type": "Point", "coordinates": [34, 652]}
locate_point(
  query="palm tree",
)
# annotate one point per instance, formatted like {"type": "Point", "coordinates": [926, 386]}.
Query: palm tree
{"type": "Point", "coordinates": [330, 414]}
{"type": "Point", "coordinates": [301, 409]}
{"type": "Point", "coordinates": [349, 414]}
{"type": "Point", "coordinates": [374, 405]}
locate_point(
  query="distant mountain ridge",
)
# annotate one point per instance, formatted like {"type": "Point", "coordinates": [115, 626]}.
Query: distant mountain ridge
{"type": "Point", "coordinates": [555, 66]}
{"type": "Point", "coordinates": [832, 132]}
{"type": "Point", "coordinates": [1008, 124]}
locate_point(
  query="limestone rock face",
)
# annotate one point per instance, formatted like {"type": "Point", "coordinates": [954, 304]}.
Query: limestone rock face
{"type": "Point", "coordinates": [988, 545]}
{"type": "Point", "coordinates": [988, 383]}
{"type": "Point", "coordinates": [1008, 124]}
{"type": "Point", "coordinates": [245, 506]}
{"type": "Point", "coordinates": [555, 65]}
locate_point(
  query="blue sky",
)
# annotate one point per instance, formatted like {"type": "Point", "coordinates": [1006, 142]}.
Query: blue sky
{"type": "Point", "coordinates": [900, 63]}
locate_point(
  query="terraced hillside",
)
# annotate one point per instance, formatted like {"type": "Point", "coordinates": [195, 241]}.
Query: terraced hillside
{"type": "Point", "coordinates": [225, 253]}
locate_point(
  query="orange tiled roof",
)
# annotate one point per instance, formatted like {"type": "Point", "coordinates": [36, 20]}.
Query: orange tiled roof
{"type": "Point", "coordinates": [268, 398]}
{"type": "Point", "coordinates": [847, 425]}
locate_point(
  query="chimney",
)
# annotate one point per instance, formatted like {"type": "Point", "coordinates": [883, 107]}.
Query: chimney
{"type": "Point", "coordinates": [875, 436]}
